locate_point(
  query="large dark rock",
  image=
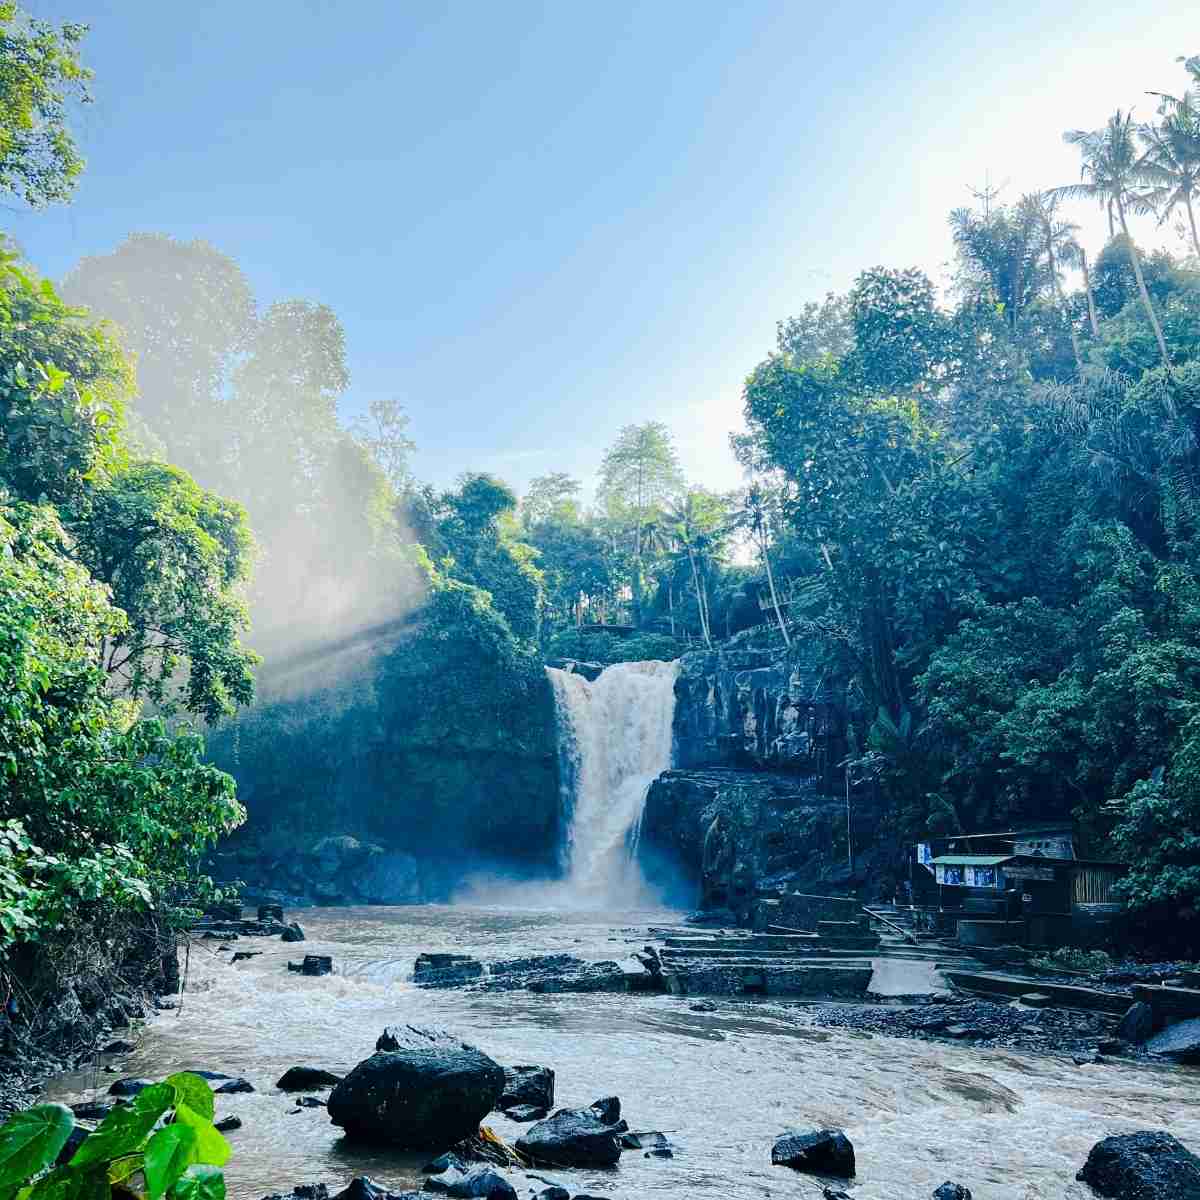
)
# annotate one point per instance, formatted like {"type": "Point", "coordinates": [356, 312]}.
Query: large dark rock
{"type": "Point", "coordinates": [363, 1187]}
{"type": "Point", "coordinates": [304, 1079]}
{"type": "Point", "coordinates": [1137, 1025]}
{"type": "Point", "coordinates": [952, 1191]}
{"type": "Point", "coordinates": [446, 970]}
{"type": "Point", "coordinates": [1179, 1042]}
{"type": "Point", "coordinates": [819, 1151]}
{"type": "Point", "coordinates": [481, 1180]}
{"type": "Point", "coordinates": [417, 1099]}
{"type": "Point", "coordinates": [527, 1085]}
{"type": "Point", "coordinates": [572, 1138]}
{"type": "Point", "coordinates": [1147, 1165]}
{"type": "Point", "coordinates": [292, 933]}
{"type": "Point", "coordinates": [234, 1085]}
{"type": "Point", "coordinates": [128, 1086]}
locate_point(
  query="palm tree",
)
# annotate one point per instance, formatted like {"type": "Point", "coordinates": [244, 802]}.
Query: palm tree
{"type": "Point", "coordinates": [752, 515]}
{"type": "Point", "coordinates": [1172, 162]}
{"type": "Point", "coordinates": [1058, 244]}
{"type": "Point", "coordinates": [1112, 171]}
{"type": "Point", "coordinates": [694, 519]}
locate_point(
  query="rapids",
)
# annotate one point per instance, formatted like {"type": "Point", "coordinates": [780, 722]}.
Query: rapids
{"type": "Point", "coordinates": [724, 1083]}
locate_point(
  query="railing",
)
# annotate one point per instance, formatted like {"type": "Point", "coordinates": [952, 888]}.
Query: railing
{"type": "Point", "coordinates": [904, 933]}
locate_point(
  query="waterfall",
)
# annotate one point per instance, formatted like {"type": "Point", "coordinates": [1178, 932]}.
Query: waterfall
{"type": "Point", "coordinates": [614, 740]}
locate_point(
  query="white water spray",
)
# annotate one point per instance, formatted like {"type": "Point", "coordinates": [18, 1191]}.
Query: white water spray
{"type": "Point", "coordinates": [614, 738]}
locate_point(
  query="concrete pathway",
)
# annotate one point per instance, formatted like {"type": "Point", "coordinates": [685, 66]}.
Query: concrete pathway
{"type": "Point", "coordinates": [905, 977]}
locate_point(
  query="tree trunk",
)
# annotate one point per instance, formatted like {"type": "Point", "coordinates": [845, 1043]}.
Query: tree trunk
{"type": "Point", "coordinates": [1136, 260]}
{"type": "Point", "coordinates": [671, 604]}
{"type": "Point", "coordinates": [787, 641]}
{"type": "Point", "coordinates": [699, 599]}
{"type": "Point", "coordinates": [1087, 287]}
{"type": "Point", "coordinates": [1192, 222]}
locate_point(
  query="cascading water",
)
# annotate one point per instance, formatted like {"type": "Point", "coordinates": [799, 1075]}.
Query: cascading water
{"type": "Point", "coordinates": [614, 740]}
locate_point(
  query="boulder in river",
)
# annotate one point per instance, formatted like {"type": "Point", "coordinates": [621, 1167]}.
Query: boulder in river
{"type": "Point", "coordinates": [553, 1192]}
{"type": "Point", "coordinates": [292, 933]}
{"type": "Point", "coordinates": [363, 1187]}
{"type": "Point", "coordinates": [91, 1110]}
{"type": "Point", "coordinates": [572, 1138]}
{"type": "Point", "coordinates": [1137, 1025]}
{"type": "Point", "coordinates": [446, 970]}
{"type": "Point", "coordinates": [313, 964]}
{"type": "Point", "coordinates": [417, 1098]}
{"type": "Point", "coordinates": [952, 1191]}
{"type": "Point", "coordinates": [1147, 1165]}
{"type": "Point", "coordinates": [482, 1180]}
{"type": "Point", "coordinates": [120, 1046]}
{"type": "Point", "coordinates": [819, 1151]}
{"type": "Point", "coordinates": [228, 1124]}
{"type": "Point", "coordinates": [528, 1085]}
{"type": "Point", "coordinates": [606, 1109]}
{"type": "Point", "coordinates": [1179, 1042]}
{"type": "Point", "coordinates": [234, 1085]}
{"type": "Point", "coordinates": [128, 1086]}
{"type": "Point", "coordinates": [306, 1079]}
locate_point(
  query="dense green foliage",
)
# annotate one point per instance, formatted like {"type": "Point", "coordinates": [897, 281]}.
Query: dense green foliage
{"type": "Point", "coordinates": [164, 1140]}
{"type": "Point", "coordinates": [996, 507]}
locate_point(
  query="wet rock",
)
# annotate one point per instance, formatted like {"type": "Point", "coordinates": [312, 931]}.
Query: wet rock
{"type": "Point", "coordinates": [363, 1187]}
{"type": "Point", "coordinates": [524, 1113]}
{"type": "Point", "coordinates": [302, 1191]}
{"type": "Point", "coordinates": [417, 1098]}
{"type": "Point", "coordinates": [483, 1180]}
{"type": "Point", "coordinates": [234, 1086]}
{"type": "Point", "coordinates": [242, 955]}
{"type": "Point", "coordinates": [952, 1191]}
{"type": "Point", "coordinates": [92, 1110]}
{"type": "Point", "coordinates": [228, 1124]}
{"type": "Point", "coordinates": [272, 913]}
{"type": "Point", "coordinates": [1180, 1042]}
{"type": "Point", "coordinates": [572, 1138]}
{"type": "Point", "coordinates": [120, 1046]}
{"type": "Point", "coordinates": [606, 1109]}
{"type": "Point", "coordinates": [128, 1086]}
{"type": "Point", "coordinates": [446, 970]}
{"type": "Point", "coordinates": [1137, 1025]}
{"type": "Point", "coordinates": [528, 1086]}
{"type": "Point", "coordinates": [594, 977]}
{"type": "Point", "coordinates": [647, 1140]}
{"type": "Point", "coordinates": [311, 1102]}
{"type": "Point", "coordinates": [313, 964]}
{"type": "Point", "coordinates": [418, 1037]}
{"type": "Point", "coordinates": [835, 1194]}
{"type": "Point", "coordinates": [660, 1152]}
{"type": "Point", "coordinates": [1148, 1165]}
{"type": "Point", "coordinates": [292, 933]}
{"type": "Point", "coordinates": [702, 1006]}
{"type": "Point", "coordinates": [819, 1151]}
{"type": "Point", "coordinates": [304, 1079]}
{"type": "Point", "coordinates": [209, 1075]}
{"type": "Point", "coordinates": [553, 1192]}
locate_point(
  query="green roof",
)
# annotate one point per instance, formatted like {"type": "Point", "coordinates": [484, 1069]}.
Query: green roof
{"type": "Point", "coordinates": [971, 860]}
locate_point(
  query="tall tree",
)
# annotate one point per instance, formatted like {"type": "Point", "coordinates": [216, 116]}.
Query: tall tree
{"type": "Point", "coordinates": [639, 473]}
{"type": "Point", "coordinates": [1058, 245]}
{"type": "Point", "coordinates": [1113, 172]}
{"type": "Point", "coordinates": [40, 75]}
{"type": "Point", "coordinates": [1172, 163]}
{"type": "Point", "coordinates": [754, 514]}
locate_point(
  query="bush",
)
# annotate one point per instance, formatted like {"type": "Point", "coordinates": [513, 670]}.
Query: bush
{"type": "Point", "coordinates": [610, 648]}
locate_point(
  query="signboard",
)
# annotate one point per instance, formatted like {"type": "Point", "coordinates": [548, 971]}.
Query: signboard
{"type": "Point", "coordinates": [1020, 871]}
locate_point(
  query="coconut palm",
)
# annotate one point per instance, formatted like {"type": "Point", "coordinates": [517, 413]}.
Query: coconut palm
{"type": "Point", "coordinates": [1172, 163]}
{"type": "Point", "coordinates": [752, 515]}
{"type": "Point", "coordinates": [1113, 171]}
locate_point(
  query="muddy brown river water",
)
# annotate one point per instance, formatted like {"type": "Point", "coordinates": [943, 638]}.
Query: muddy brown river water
{"type": "Point", "coordinates": [725, 1083]}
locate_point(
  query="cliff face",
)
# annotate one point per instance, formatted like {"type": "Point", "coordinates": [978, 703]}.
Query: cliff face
{"type": "Point", "coordinates": [759, 707]}
{"type": "Point", "coordinates": [756, 802]}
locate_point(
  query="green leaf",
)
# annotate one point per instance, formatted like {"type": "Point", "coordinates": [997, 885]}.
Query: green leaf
{"type": "Point", "coordinates": [30, 1141]}
{"type": "Point", "coordinates": [168, 1154]}
{"type": "Point", "coordinates": [211, 1147]}
{"type": "Point", "coordinates": [124, 1129]}
{"type": "Point", "coordinates": [194, 1092]}
{"type": "Point", "coordinates": [200, 1183]}
{"type": "Point", "coordinates": [123, 1167]}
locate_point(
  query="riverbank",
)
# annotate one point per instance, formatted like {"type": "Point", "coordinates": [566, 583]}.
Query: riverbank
{"type": "Point", "coordinates": [724, 1082]}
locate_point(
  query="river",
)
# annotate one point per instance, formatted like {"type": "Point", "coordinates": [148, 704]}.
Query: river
{"type": "Point", "coordinates": [724, 1083]}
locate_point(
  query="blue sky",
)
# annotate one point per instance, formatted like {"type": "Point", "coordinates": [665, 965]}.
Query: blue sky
{"type": "Point", "coordinates": [539, 222]}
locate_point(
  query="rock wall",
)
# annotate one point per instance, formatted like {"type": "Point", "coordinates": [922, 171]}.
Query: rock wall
{"type": "Point", "coordinates": [756, 805]}
{"type": "Point", "coordinates": [759, 706]}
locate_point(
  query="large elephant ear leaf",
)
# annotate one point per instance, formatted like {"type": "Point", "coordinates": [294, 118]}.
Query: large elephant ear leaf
{"type": "Point", "coordinates": [30, 1141]}
{"type": "Point", "coordinates": [200, 1183]}
{"type": "Point", "coordinates": [124, 1129]}
{"type": "Point", "coordinates": [194, 1092]}
{"type": "Point", "coordinates": [168, 1154]}
{"type": "Point", "coordinates": [211, 1147]}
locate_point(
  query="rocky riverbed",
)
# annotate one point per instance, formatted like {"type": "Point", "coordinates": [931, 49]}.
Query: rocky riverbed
{"type": "Point", "coordinates": [721, 1080]}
